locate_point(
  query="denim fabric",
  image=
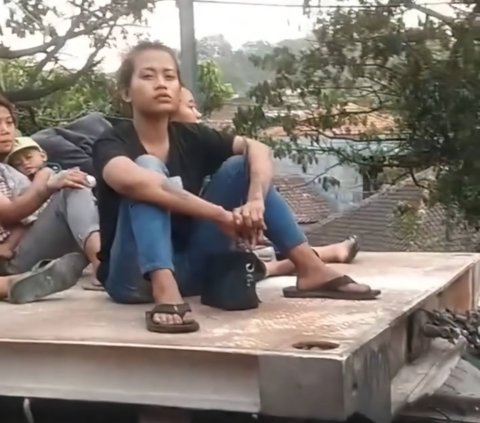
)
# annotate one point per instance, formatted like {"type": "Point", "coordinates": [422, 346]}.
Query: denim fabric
{"type": "Point", "coordinates": [143, 241]}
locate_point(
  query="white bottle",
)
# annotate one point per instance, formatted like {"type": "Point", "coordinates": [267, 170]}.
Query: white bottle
{"type": "Point", "coordinates": [92, 182]}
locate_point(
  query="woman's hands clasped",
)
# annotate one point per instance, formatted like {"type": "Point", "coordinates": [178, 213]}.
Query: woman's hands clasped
{"type": "Point", "coordinates": [245, 224]}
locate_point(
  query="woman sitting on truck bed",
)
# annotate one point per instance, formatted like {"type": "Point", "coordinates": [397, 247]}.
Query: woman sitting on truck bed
{"type": "Point", "coordinates": [156, 231]}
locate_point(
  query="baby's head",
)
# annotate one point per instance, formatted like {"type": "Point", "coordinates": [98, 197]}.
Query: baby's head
{"type": "Point", "coordinates": [27, 156]}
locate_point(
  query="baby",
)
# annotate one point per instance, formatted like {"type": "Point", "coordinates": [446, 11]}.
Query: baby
{"type": "Point", "coordinates": [28, 158]}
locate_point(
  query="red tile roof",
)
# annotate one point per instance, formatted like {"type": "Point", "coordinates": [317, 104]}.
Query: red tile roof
{"type": "Point", "coordinates": [375, 222]}
{"type": "Point", "coordinates": [308, 204]}
{"type": "Point", "coordinates": [364, 124]}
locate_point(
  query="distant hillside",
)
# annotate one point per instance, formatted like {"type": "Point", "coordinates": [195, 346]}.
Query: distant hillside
{"type": "Point", "coordinates": [236, 67]}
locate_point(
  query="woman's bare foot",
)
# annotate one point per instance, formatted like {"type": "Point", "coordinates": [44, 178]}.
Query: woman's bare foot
{"type": "Point", "coordinates": [347, 250]}
{"type": "Point", "coordinates": [316, 280]}
{"type": "Point", "coordinates": [165, 291]}
{"type": "Point", "coordinates": [313, 273]}
{"type": "Point", "coordinates": [342, 252]}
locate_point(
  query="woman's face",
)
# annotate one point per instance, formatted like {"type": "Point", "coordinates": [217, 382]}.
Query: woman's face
{"type": "Point", "coordinates": [155, 86]}
{"type": "Point", "coordinates": [7, 131]}
{"type": "Point", "coordinates": [187, 110]}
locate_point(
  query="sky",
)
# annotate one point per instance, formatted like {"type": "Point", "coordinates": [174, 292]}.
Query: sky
{"type": "Point", "coordinates": [238, 23]}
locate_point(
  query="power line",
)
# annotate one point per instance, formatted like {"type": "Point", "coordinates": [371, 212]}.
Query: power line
{"type": "Point", "coordinates": [325, 6]}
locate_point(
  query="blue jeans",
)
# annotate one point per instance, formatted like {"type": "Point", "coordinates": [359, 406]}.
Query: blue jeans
{"type": "Point", "coordinates": [143, 241]}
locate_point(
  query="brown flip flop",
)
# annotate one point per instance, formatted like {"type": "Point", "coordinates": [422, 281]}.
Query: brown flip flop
{"type": "Point", "coordinates": [331, 290]}
{"type": "Point", "coordinates": [172, 309]}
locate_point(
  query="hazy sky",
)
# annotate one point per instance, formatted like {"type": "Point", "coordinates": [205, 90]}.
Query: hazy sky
{"type": "Point", "coordinates": [238, 23]}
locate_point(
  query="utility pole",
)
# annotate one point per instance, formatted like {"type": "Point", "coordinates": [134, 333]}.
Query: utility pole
{"type": "Point", "coordinates": [188, 53]}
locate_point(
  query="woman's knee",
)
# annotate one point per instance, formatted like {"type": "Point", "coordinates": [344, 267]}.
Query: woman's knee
{"type": "Point", "coordinates": [234, 165]}
{"type": "Point", "coordinates": [147, 161]}
{"type": "Point", "coordinates": [85, 193]}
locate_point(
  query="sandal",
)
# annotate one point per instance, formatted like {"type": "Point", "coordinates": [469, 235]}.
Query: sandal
{"type": "Point", "coordinates": [172, 309]}
{"type": "Point", "coordinates": [331, 290]}
{"type": "Point", "coordinates": [47, 277]}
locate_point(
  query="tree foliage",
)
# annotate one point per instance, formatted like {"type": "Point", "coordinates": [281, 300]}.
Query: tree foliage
{"type": "Point", "coordinates": [427, 76]}
{"type": "Point", "coordinates": [235, 64]}
{"type": "Point", "coordinates": [54, 27]}
{"type": "Point", "coordinates": [215, 91]}
{"type": "Point", "coordinates": [93, 91]}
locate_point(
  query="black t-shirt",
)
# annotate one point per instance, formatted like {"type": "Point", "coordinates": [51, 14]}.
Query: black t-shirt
{"type": "Point", "coordinates": [196, 151]}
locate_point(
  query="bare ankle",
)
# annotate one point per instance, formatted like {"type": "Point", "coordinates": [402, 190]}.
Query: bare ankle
{"type": "Point", "coordinates": [165, 287]}
{"type": "Point", "coordinates": [304, 258]}
{"type": "Point", "coordinates": [301, 253]}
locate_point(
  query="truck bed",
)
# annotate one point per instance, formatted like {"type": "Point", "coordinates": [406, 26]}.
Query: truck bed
{"type": "Point", "coordinates": [324, 359]}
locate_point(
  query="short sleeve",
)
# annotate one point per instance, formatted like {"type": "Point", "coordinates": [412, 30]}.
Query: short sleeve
{"type": "Point", "coordinates": [18, 182]}
{"type": "Point", "coordinates": [217, 147]}
{"type": "Point", "coordinates": [106, 148]}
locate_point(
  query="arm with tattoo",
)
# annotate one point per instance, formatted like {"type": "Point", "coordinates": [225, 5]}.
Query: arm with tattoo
{"type": "Point", "coordinates": [137, 183]}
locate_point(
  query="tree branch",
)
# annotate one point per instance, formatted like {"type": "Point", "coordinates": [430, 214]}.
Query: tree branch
{"type": "Point", "coordinates": [429, 12]}
{"type": "Point", "coordinates": [26, 94]}
{"type": "Point", "coordinates": [103, 21]}
{"type": "Point", "coordinates": [415, 181]}
{"type": "Point", "coordinates": [53, 52]}
{"type": "Point", "coordinates": [7, 53]}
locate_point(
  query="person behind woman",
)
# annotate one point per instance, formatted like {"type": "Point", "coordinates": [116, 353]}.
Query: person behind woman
{"type": "Point", "coordinates": [187, 110]}
{"type": "Point", "coordinates": [341, 252]}
{"type": "Point", "coordinates": [68, 224]}
{"type": "Point", "coordinates": [156, 232]}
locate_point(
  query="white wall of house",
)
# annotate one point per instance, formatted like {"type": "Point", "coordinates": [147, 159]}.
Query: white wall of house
{"type": "Point", "coordinates": [350, 190]}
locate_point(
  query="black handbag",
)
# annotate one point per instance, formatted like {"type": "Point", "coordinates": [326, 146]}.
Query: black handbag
{"type": "Point", "coordinates": [231, 280]}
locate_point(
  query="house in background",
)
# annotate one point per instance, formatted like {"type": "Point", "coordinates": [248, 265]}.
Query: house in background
{"type": "Point", "coordinates": [308, 204]}
{"type": "Point", "coordinates": [378, 223]}
{"type": "Point", "coordinates": [330, 212]}
{"type": "Point", "coordinates": [342, 184]}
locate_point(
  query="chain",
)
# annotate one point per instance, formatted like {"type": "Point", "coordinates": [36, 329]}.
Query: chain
{"type": "Point", "coordinates": [451, 326]}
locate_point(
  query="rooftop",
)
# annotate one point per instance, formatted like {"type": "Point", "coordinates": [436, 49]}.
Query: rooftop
{"type": "Point", "coordinates": [362, 122]}
{"type": "Point", "coordinates": [376, 222]}
{"type": "Point", "coordinates": [306, 202]}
